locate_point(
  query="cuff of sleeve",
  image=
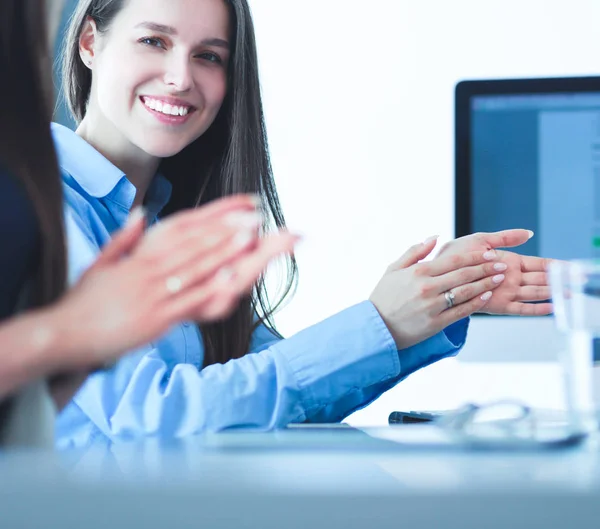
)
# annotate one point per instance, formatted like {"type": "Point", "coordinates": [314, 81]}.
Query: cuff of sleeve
{"type": "Point", "coordinates": [456, 335]}
{"type": "Point", "coordinates": [443, 345]}
{"type": "Point", "coordinates": [352, 349]}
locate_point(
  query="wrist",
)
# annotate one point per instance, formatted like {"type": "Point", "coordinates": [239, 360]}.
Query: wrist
{"type": "Point", "coordinates": [390, 327]}
{"type": "Point", "coordinates": [56, 335]}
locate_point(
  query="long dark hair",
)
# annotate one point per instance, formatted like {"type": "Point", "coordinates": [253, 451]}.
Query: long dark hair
{"type": "Point", "coordinates": [26, 148]}
{"type": "Point", "coordinates": [231, 157]}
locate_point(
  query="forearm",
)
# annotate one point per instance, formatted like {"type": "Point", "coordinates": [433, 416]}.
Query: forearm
{"type": "Point", "coordinates": [32, 346]}
{"type": "Point", "coordinates": [444, 344]}
{"type": "Point", "coordinates": [280, 382]}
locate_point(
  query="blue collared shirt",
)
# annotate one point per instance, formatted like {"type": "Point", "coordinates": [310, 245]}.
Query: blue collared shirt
{"type": "Point", "coordinates": [321, 374]}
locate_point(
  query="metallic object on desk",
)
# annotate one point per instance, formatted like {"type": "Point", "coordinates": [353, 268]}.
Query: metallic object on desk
{"type": "Point", "coordinates": [504, 417]}
{"type": "Point", "coordinates": [576, 296]}
{"type": "Point", "coordinates": [507, 424]}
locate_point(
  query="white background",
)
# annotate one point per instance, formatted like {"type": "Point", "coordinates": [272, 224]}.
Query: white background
{"type": "Point", "coordinates": [359, 104]}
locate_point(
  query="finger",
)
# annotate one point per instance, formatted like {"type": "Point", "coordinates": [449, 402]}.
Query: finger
{"type": "Point", "coordinates": [125, 240]}
{"type": "Point", "coordinates": [249, 267]}
{"type": "Point", "coordinates": [193, 301]}
{"type": "Point", "coordinates": [467, 275]}
{"type": "Point", "coordinates": [198, 256]}
{"type": "Point", "coordinates": [535, 279]}
{"type": "Point", "coordinates": [172, 234]}
{"type": "Point", "coordinates": [507, 238]}
{"type": "Point", "coordinates": [533, 293]}
{"type": "Point", "coordinates": [198, 269]}
{"type": "Point", "coordinates": [458, 312]}
{"type": "Point", "coordinates": [448, 263]}
{"type": "Point", "coordinates": [216, 209]}
{"type": "Point", "coordinates": [414, 254]}
{"type": "Point", "coordinates": [535, 264]}
{"type": "Point", "coordinates": [219, 307]}
{"type": "Point", "coordinates": [518, 308]}
{"type": "Point", "coordinates": [466, 293]}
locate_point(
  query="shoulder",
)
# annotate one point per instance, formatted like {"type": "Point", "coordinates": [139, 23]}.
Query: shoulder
{"type": "Point", "coordinates": [80, 227]}
{"type": "Point", "coordinates": [82, 248]}
{"type": "Point", "coordinates": [9, 184]}
{"type": "Point", "coordinates": [78, 204]}
{"type": "Point", "coordinates": [15, 205]}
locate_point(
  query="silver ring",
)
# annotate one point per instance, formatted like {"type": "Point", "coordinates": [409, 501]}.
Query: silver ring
{"type": "Point", "coordinates": [173, 284]}
{"type": "Point", "coordinates": [449, 299]}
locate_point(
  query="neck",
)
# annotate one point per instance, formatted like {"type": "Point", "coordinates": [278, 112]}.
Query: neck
{"type": "Point", "coordinates": [139, 167]}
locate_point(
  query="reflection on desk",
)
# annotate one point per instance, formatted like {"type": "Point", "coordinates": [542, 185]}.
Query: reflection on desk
{"type": "Point", "coordinates": [297, 479]}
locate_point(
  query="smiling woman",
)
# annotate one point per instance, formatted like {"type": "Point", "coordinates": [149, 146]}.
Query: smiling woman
{"type": "Point", "coordinates": [142, 282]}
{"type": "Point", "coordinates": [122, 58]}
{"type": "Point", "coordinates": [169, 110]}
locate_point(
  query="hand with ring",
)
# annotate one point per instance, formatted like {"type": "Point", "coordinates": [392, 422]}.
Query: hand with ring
{"type": "Point", "coordinates": [194, 265]}
{"type": "Point", "coordinates": [526, 277]}
{"type": "Point", "coordinates": [416, 300]}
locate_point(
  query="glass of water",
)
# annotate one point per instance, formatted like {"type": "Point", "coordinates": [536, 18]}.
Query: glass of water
{"type": "Point", "coordinates": [576, 298]}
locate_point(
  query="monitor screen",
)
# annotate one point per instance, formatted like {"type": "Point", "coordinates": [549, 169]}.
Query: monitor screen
{"type": "Point", "coordinates": [534, 162]}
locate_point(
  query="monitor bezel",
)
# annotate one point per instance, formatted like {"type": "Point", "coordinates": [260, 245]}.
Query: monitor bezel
{"type": "Point", "coordinates": [464, 92]}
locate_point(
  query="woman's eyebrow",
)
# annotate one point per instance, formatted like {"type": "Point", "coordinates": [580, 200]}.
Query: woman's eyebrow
{"type": "Point", "coordinates": [161, 28]}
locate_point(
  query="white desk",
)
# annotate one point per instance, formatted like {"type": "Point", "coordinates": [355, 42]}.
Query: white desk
{"type": "Point", "coordinates": [305, 479]}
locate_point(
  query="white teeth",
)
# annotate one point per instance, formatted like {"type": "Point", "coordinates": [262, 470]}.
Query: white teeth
{"type": "Point", "coordinates": [166, 108]}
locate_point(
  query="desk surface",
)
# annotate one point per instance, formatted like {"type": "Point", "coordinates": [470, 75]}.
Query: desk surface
{"type": "Point", "coordinates": [306, 478]}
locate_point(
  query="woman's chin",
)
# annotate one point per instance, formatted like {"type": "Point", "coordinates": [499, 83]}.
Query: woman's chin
{"type": "Point", "coordinates": [162, 150]}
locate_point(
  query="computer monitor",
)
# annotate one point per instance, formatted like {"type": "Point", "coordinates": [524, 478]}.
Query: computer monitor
{"type": "Point", "coordinates": [527, 155]}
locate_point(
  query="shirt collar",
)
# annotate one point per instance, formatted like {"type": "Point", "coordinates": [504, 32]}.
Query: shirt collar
{"type": "Point", "coordinates": [158, 195]}
{"type": "Point", "coordinates": [90, 169]}
{"type": "Point", "coordinates": [97, 176]}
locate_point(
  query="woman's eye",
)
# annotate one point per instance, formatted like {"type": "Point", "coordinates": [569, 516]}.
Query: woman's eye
{"type": "Point", "coordinates": [152, 41]}
{"type": "Point", "coordinates": [211, 57]}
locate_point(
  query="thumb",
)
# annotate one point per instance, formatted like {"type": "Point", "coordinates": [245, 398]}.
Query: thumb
{"type": "Point", "coordinates": [415, 254]}
{"type": "Point", "coordinates": [125, 240]}
{"type": "Point", "coordinates": [507, 238]}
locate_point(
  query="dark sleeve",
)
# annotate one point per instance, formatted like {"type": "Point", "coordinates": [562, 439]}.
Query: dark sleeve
{"type": "Point", "coordinates": [19, 240]}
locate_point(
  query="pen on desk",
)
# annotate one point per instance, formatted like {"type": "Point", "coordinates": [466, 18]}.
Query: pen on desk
{"type": "Point", "coordinates": [410, 417]}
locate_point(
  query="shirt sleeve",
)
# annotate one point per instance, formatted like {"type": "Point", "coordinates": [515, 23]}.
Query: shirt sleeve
{"type": "Point", "coordinates": [286, 382]}
{"type": "Point", "coordinates": [320, 374]}
{"type": "Point", "coordinates": [443, 345]}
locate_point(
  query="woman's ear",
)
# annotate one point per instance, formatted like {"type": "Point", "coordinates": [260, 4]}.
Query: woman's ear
{"type": "Point", "coordinates": [88, 41]}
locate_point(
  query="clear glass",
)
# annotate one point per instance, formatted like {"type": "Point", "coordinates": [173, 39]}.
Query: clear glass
{"type": "Point", "coordinates": [576, 297]}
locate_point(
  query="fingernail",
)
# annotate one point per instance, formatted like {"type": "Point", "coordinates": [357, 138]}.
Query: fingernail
{"type": "Point", "coordinates": [243, 239]}
{"type": "Point", "coordinates": [136, 214]}
{"type": "Point", "coordinates": [224, 275]}
{"type": "Point", "coordinates": [244, 220]}
{"type": "Point", "coordinates": [486, 297]}
{"type": "Point", "coordinates": [498, 279]}
{"type": "Point", "coordinates": [490, 255]}
{"type": "Point", "coordinates": [430, 239]}
{"type": "Point", "coordinates": [500, 267]}
{"type": "Point", "coordinates": [531, 234]}
{"type": "Point", "coordinates": [256, 200]}
{"type": "Point", "coordinates": [212, 240]}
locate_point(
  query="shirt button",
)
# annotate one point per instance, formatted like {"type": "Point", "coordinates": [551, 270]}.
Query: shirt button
{"type": "Point", "coordinates": [186, 323]}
